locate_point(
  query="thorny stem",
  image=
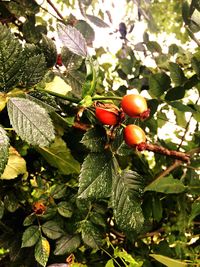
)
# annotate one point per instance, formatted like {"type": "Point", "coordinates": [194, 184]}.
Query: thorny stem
{"type": "Point", "coordinates": [55, 9]}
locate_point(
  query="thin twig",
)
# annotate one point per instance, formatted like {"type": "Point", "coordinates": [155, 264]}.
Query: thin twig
{"type": "Point", "coordinates": [55, 9]}
{"type": "Point", "coordinates": [192, 35]}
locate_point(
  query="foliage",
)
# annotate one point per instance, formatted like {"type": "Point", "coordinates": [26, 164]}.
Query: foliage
{"type": "Point", "coordinates": [72, 193]}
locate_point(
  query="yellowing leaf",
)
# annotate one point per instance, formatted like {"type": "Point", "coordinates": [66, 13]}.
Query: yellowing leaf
{"type": "Point", "coordinates": [42, 251]}
{"type": "Point", "coordinates": [3, 100]}
{"type": "Point", "coordinates": [58, 85]}
{"type": "Point", "coordinates": [168, 261]}
{"type": "Point", "coordinates": [16, 165]}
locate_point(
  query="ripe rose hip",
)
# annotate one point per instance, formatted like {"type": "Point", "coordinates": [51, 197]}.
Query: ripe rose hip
{"type": "Point", "coordinates": [135, 106]}
{"type": "Point", "coordinates": [134, 135]}
{"type": "Point", "coordinates": [59, 60]}
{"type": "Point", "coordinates": [106, 117]}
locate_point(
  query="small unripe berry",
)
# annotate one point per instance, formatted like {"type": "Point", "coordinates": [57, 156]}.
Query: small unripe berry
{"type": "Point", "coordinates": [134, 135]}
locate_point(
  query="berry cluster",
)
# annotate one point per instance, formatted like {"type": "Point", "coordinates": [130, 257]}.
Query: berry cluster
{"type": "Point", "coordinates": [135, 106]}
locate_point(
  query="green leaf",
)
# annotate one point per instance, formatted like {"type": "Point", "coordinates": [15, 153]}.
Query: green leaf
{"type": "Point", "coordinates": [70, 60]}
{"type": "Point", "coordinates": [34, 70]}
{"type": "Point", "coordinates": [67, 244]}
{"type": "Point", "coordinates": [157, 209]}
{"type": "Point", "coordinates": [175, 93]}
{"type": "Point", "coordinates": [65, 209]}
{"type": "Point", "coordinates": [158, 84]}
{"type": "Point", "coordinates": [167, 185]}
{"type": "Point", "coordinates": [76, 80]}
{"type": "Point", "coordinates": [126, 190]}
{"type": "Point", "coordinates": [1, 209]}
{"type": "Point", "coordinates": [59, 156]}
{"type": "Point", "coordinates": [57, 191]}
{"type": "Point", "coordinates": [52, 230]}
{"type": "Point", "coordinates": [110, 263]}
{"type": "Point", "coordinates": [30, 121]}
{"type": "Point", "coordinates": [49, 50]}
{"type": "Point", "coordinates": [169, 262]}
{"type": "Point", "coordinates": [196, 65]}
{"type": "Point", "coordinates": [173, 49]}
{"type": "Point", "coordinates": [30, 236]}
{"type": "Point", "coordinates": [181, 107]}
{"type": "Point", "coordinates": [95, 139]}
{"type": "Point", "coordinates": [186, 12]}
{"type": "Point", "coordinates": [91, 235]}
{"type": "Point", "coordinates": [4, 149]}
{"type": "Point", "coordinates": [176, 73]}
{"type": "Point", "coordinates": [95, 177]}
{"type": "Point", "coordinates": [153, 47]}
{"type": "Point", "coordinates": [127, 257]}
{"type": "Point", "coordinates": [29, 219]}
{"type": "Point", "coordinates": [195, 210]}
{"type": "Point", "coordinates": [16, 165]}
{"type": "Point", "coordinates": [11, 202]}
{"type": "Point", "coordinates": [11, 59]}
{"type": "Point", "coordinates": [42, 251]}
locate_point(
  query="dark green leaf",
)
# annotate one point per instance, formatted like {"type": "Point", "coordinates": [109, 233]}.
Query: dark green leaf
{"type": "Point", "coordinates": [65, 209]}
{"type": "Point", "coordinates": [158, 84]}
{"type": "Point", "coordinates": [10, 59]}
{"type": "Point", "coordinates": [58, 191]}
{"type": "Point", "coordinates": [175, 93]}
{"type": "Point", "coordinates": [42, 251]}
{"type": "Point", "coordinates": [67, 244]}
{"type": "Point", "coordinates": [91, 235]}
{"type": "Point", "coordinates": [29, 219]}
{"type": "Point", "coordinates": [30, 236]}
{"type": "Point", "coordinates": [70, 60]}
{"type": "Point", "coordinates": [176, 73]}
{"type": "Point", "coordinates": [59, 156]}
{"type": "Point", "coordinates": [76, 80]}
{"type": "Point", "coordinates": [48, 48]}
{"type": "Point", "coordinates": [96, 176]}
{"type": "Point", "coordinates": [126, 190]}
{"type": "Point", "coordinates": [52, 230]}
{"type": "Point", "coordinates": [157, 209]}
{"type": "Point", "coordinates": [167, 185]}
{"type": "Point", "coordinates": [34, 70]}
{"type": "Point", "coordinates": [186, 12]}
{"type": "Point", "coordinates": [1, 209]}
{"type": "Point", "coordinates": [86, 30]}
{"type": "Point", "coordinates": [11, 202]}
{"type": "Point", "coordinates": [30, 121]}
{"type": "Point", "coordinates": [173, 49]}
{"type": "Point", "coordinates": [95, 139]}
{"type": "Point", "coordinates": [72, 39]}
{"type": "Point", "coordinates": [4, 149]}
{"type": "Point", "coordinates": [196, 65]}
{"type": "Point", "coordinates": [97, 21]}
{"type": "Point", "coordinates": [195, 211]}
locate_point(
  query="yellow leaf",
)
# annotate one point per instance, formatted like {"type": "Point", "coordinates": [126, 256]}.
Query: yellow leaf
{"type": "Point", "coordinates": [16, 165]}
{"type": "Point", "coordinates": [58, 85]}
{"type": "Point", "coordinates": [3, 101]}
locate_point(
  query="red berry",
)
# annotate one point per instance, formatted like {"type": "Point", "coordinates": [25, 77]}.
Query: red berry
{"type": "Point", "coordinates": [106, 117]}
{"type": "Point", "coordinates": [134, 135]}
{"type": "Point", "coordinates": [59, 60]}
{"type": "Point", "coordinates": [135, 106]}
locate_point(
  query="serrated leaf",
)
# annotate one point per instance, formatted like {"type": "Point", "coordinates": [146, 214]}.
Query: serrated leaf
{"type": "Point", "coordinates": [169, 262]}
{"type": "Point", "coordinates": [126, 190]}
{"type": "Point", "coordinates": [34, 70]}
{"type": "Point", "coordinates": [72, 39]}
{"type": "Point", "coordinates": [65, 209]}
{"type": "Point", "coordinates": [59, 156]}
{"type": "Point", "coordinates": [30, 236]}
{"type": "Point", "coordinates": [181, 107]}
{"type": "Point", "coordinates": [75, 79]}
{"type": "Point", "coordinates": [167, 185]}
{"type": "Point", "coordinates": [175, 93]}
{"type": "Point", "coordinates": [97, 21]}
{"type": "Point", "coordinates": [67, 244]}
{"type": "Point", "coordinates": [4, 149]}
{"type": "Point", "coordinates": [176, 73]}
{"type": "Point", "coordinates": [42, 251]}
{"type": "Point", "coordinates": [70, 60]}
{"type": "Point", "coordinates": [29, 219]}
{"type": "Point", "coordinates": [95, 139]}
{"type": "Point", "coordinates": [95, 178]}
{"type": "Point", "coordinates": [52, 230]}
{"type": "Point", "coordinates": [91, 235]}
{"type": "Point", "coordinates": [16, 165]}
{"type": "Point", "coordinates": [49, 50]}
{"type": "Point", "coordinates": [57, 191]}
{"type": "Point", "coordinates": [30, 121]}
{"type": "Point", "coordinates": [158, 84]}
{"type": "Point", "coordinates": [58, 85]}
{"type": "Point", "coordinates": [11, 59]}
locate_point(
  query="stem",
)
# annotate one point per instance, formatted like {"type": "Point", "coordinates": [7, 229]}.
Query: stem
{"type": "Point", "coordinates": [111, 257]}
{"type": "Point", "coordinates": [55, 9]}
{"type": "Point", "coordinates": [71, 99]}
{"type": "Point", "coordinates": [107, 98]}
